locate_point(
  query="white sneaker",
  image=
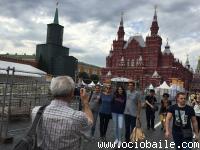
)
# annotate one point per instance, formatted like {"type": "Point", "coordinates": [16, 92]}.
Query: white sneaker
{"type": "Point", "coordinates": [119, 144]}
{"type": "Point", "coordinates": [193, 136]}
{"type": "Point", "coordinates": [116, 141]}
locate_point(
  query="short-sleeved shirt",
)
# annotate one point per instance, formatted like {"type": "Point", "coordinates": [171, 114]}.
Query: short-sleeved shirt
{"type": "Point", "coordinates": [105, 101]}
{"type": "Point", "coordinates": [95, 102]}
{"type": "Point", "coordinates": [186, 114]}
{"type": "Point", "coordinates": [164, 106]}
{"type": "Point", "coordinates": [197, 110]}
{"type": "Point", "coordinates": [152, 100]}
{"type": "Point", "coordinates": [132, 102]}
{"type": "Point", "coordinates": [61, 127]}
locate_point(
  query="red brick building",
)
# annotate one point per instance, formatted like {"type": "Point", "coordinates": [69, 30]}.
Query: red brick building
{"type": "Point", "coordinates": [144, 61]}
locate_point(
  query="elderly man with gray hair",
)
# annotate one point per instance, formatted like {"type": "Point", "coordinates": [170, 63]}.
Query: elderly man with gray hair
{"type": "Point", "coordinates": [62, 127]}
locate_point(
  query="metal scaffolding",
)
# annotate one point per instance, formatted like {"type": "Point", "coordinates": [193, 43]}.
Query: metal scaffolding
{"type": "Point", "coordinates": [18, 95]}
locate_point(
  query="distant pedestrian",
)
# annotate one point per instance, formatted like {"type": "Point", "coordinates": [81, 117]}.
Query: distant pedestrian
{"type": "Point", "coordinates": [150, 109]}
{"type": "Point", "coordinates": [62, 127]}
{"type": "Point", "coordinates": [132, 110]}
{"type": "Point", "coordinates": [117, 107]}
{"type": "Point", "coordinates": [105, 111]}
{"type": "Point", "coordinates": [196, 105]}
{"type": "Point", "coordinates": [183, 117]}
{"type": "Point", "coordinates": [95, 105]}
{"type": "Point", "coordinates": [165, 103]}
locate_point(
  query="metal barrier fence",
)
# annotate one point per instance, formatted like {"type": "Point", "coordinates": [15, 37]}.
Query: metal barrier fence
{"type": "Point", "coordinates": [18, 95]}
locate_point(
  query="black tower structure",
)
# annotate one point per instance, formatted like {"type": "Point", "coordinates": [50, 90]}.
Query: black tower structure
{"type": "Point", "coordinates": [52, 57]}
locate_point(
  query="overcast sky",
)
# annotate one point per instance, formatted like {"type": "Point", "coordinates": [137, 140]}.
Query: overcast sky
{"type": "Point", "coordinates": [91, 25]}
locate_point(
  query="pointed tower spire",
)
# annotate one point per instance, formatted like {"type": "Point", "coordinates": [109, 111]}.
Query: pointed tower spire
{"type": "Point", "coordinates": [55, 30]}
{"type": "Point", "coordinates": [187, 63]}
{"type": "Point", "coordinates": [154, 26]}
{"type": "Point", "coordinates": [155, 13]}
{"type": "Point", "coordinates": [121, 32]}
{"type": "Point", "coordinates": [198, 66]}
{"type": "Point", "coordinates": [122, 20]}
{"type": "Point", "coordinates": [167, 48]}
{"type": "Point", "coordinates": [55, 21]}
{"type": "Point", "coordinates": [167, 45]}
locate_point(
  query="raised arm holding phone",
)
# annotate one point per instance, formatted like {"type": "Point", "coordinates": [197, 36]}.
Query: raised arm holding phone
{"type": "Point", "coordinates": [85, 103]}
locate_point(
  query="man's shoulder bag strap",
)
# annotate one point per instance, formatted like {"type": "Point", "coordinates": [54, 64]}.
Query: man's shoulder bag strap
{"type": "Point", "coordinates": [36, 120]}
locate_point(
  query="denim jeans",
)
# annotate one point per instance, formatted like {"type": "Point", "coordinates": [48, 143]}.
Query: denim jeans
{"type": "Point", "coordinates": [179, 141]}
{"type": "Point", "coordinates": [95, 116]}
{"type": "Point", "coordinates": [118, 120]}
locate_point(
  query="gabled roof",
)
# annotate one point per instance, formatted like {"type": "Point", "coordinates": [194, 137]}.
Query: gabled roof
{"type": "Point", "coordinates": [155, 74]}
{"type": "Point", "coordinates": [138, 38]}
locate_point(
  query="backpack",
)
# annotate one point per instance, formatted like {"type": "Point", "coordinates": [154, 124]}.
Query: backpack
{"type": "Point", "coordinates": [29, 142]}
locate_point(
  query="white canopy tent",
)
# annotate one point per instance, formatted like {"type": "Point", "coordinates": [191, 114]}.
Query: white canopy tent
{"type": "Point", "coordinates": [163, 88]}
{"type": "Point", "coordinates": [120, 79]}
{"type": "Point", "coordinates": [20, 69]}
{"type": "Point", "coordinates": [83, 83]}
{"type": "Point", "coordinates": [99, 84]}
{"type": "Point", "coordinates": [91, 84]}
{"type": "Point", "coordinates": [150, 87]}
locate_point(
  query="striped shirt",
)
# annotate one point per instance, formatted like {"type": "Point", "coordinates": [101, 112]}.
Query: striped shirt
{"type": "Point", "coordinates": [61, 127]}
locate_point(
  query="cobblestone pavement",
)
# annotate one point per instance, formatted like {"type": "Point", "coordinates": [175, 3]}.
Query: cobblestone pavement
{"type": "Point", "coordinates": [17, 129]}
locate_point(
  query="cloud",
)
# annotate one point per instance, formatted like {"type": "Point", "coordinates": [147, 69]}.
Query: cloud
{"type": "Point", "coordinates": [91, 26]}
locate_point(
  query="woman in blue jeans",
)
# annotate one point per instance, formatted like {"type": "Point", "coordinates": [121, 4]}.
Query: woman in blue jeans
{"type": "Point", "coordinates": [117, 108]}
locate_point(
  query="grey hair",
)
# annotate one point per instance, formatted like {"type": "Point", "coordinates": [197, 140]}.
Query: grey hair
{"type": "Point", "coordinates": [62, 86]}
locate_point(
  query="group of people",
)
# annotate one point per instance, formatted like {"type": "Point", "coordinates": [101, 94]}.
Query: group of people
{"type": "Point", "coordinates": [122, 106]}
{"type": "Point", "coordinates": [62, 127]}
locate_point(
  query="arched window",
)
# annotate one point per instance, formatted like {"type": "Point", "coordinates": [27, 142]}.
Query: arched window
{"type": "Point", "coordinates": [132, 63]}
{"type": "Point", "coordinates": [127, 62]}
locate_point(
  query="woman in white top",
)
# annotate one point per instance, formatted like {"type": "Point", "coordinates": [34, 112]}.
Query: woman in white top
{"type": "Point", "coordinates": [196, 105]}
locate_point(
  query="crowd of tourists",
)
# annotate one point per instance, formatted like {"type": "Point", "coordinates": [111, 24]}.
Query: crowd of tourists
{"type": "Point", "coordinates": [62, 127]}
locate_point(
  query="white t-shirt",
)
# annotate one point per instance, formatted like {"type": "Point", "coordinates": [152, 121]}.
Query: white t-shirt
{"type": "Point", "coordinates": [197, 110]}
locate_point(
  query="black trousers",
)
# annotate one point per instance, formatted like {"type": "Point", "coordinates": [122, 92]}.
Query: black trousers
{"type": "Point", "coordinates": [198, 120]}
{"type": "Point", "coordinates": [179, 141]}
{"type": "Point", "coordinates": [150, 116]}
{"type": "Point", "coordinates": [130, 122]}
{"type": "Point", "coordinates": [104, 120]}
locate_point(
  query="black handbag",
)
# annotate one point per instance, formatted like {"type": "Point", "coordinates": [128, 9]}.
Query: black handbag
{"type": "Point", "coordinates": [155, 107]}
{"type": "Point", "coordinates": [186, 133]}
{"type": "Point", "coordinates": [29, 142]}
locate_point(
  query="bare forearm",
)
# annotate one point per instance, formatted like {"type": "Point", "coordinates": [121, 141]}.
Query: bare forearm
{"type": "Point", "coordinates": [167, 124]}
{"type": "Point", "coordinates": [88, 112]}
{"type": "Point", "coordinates": [148, 103]}
{"type": "Point", "coordinates": [139, 108]}
{"type": "Point", "coordinates": [195, 127]}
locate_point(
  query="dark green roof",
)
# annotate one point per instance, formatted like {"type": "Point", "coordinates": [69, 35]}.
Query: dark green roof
{"type": "Point", "coordinates": [56, 17]}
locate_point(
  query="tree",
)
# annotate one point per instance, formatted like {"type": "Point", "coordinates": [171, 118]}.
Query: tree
{"type": "Point", "coordinates": [85, 77]}
{"type": "Point", "coordinates": [94, 78]}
